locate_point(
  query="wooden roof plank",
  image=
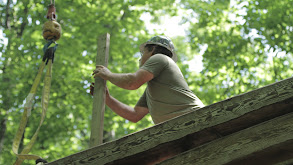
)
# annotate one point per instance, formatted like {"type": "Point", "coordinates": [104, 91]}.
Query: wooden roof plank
{"type": "Point", "coordinates": [209, 118]}
{"type": "Point", "coordinates": [277, 154]}
{"type": "Point", "coordinates": [287, 162]}
{"type": "Point", "coordinates": [242, 144]}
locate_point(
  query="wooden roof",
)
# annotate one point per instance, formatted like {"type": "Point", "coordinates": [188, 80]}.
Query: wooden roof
{"type": "Point", "coordinates": [252, 128]}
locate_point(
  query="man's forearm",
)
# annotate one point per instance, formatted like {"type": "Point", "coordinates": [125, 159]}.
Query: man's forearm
{"type": "Point", "coordinates": [129, 81]}
{"type": "Point", "coordinates": [121, 109]}
{"type": "Point", "coordinates": [123, 80]}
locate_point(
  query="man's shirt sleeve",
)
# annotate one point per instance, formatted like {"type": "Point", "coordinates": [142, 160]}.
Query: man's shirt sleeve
{"type": "Point", "coordinates": [155, 64]}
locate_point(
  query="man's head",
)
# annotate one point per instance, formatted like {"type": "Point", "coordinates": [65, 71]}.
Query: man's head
{"type": "Point", "coordinates": [157, 44]}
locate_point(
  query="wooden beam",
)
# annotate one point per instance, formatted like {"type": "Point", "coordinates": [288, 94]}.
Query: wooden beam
{"type": "Point", "coordinates": [281, 153]}
{"type": "Point", "coordinates": [97, 123]}
{"type": "Point", "coordinates": [287, 162]}
{"type": "Point", "coordinates": [197, 128]}
{"type": "Point", "coordinates": [255, 141]}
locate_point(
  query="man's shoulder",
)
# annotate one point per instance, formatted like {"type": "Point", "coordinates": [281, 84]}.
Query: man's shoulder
{"type": "Point", "coordinates": [156, 63]}
{"type": "Point", "coordinates": [160, 57]}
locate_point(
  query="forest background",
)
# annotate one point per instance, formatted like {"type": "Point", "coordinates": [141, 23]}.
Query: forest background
{"type": "Point", "coordinates": [244, 45]}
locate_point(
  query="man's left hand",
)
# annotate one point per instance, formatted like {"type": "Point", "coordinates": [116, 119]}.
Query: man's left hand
{"type": "Point", "coordinates": [102, 72]}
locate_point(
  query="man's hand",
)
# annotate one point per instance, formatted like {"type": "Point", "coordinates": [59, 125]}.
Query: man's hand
{"type": "Point", "coordinates": [92, 88]}
{"type": "Point", "coordinates": [102, 72]}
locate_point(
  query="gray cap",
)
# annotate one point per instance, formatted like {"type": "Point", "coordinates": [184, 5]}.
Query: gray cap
{"type": "Point", "coordinates": [161, 41]}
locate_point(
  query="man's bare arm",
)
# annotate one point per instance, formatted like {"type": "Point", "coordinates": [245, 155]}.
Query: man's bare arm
{"type": "Point", "coordinates": [129, 81]}
{"type": "Point", "coordinates": [132, 114]}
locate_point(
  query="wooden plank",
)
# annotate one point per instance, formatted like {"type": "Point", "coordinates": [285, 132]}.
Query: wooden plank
{"type": "Point", "coordinates": [287, 162]}
{"type": "Point", "coordinates": [172, 148]}
{"type": "Point", "coordinates": [97, 123]}
{"type": "Point", "coordinates": [256, 140]}
{"type": "Point", "coordinates": [280, 153]}
{"type": "Point", "coordinates": [193, 129]}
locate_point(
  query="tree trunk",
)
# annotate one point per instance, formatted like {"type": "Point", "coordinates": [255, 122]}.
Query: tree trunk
{"type": "Point", "coordinates": [7, 17]}
{"type": "Point", "coordinates": [2, 133]}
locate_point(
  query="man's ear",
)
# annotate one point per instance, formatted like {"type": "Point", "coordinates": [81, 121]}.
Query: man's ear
{"type": "Point", "coordinates": [154, 48]}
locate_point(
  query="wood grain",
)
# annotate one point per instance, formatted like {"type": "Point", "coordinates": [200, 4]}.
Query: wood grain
{"type": "Point", "coordinates": [97, 123]}
{"type": "Point", "coordinates": [278, 131]}
{"type": "Point", "coordinates": [197, 128]}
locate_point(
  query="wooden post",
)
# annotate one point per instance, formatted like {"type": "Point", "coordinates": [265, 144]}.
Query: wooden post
{"type": "Point", "coordinates": [97, 123]}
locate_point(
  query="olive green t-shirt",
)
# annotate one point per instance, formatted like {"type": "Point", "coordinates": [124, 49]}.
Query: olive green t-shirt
{"type": "Point", "coordinates": [167, 95]}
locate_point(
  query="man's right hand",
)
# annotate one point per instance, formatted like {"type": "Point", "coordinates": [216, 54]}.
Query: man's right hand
{"type": "Point", "coordinates": [92, 88]}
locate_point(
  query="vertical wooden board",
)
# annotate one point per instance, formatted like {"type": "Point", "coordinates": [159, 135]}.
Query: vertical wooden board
{"type": "Point", "coordinates": [97, 126]}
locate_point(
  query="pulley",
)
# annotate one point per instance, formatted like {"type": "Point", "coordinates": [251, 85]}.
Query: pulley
{"type": "Point", "coordinates": [52, 29]}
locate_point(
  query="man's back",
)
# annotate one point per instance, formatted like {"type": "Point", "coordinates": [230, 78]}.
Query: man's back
{"type": "Point", "coordinates": [167, 94]}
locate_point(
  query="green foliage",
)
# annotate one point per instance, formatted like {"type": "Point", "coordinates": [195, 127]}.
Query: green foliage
{"type": "Point", "coordinates": [248, 45]}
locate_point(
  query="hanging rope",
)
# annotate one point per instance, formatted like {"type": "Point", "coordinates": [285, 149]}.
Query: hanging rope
{"type": "Point", "coordinates": [51, 33]}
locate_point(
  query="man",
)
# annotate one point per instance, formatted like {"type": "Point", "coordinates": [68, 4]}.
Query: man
{"type": "Point", "coordinates": [167, 94]}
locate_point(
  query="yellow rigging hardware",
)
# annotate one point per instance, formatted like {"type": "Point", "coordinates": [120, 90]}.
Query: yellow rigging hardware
{"type": "Point", "coordinates": [51, 33]}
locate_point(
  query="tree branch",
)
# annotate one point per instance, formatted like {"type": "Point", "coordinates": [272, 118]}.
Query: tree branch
{"type": "Point", "coordinates": [7, 18]}
{"type": "Point", "coordinates": [2, 133]}
{"type": "Point", "coordinates": [24, 22]}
